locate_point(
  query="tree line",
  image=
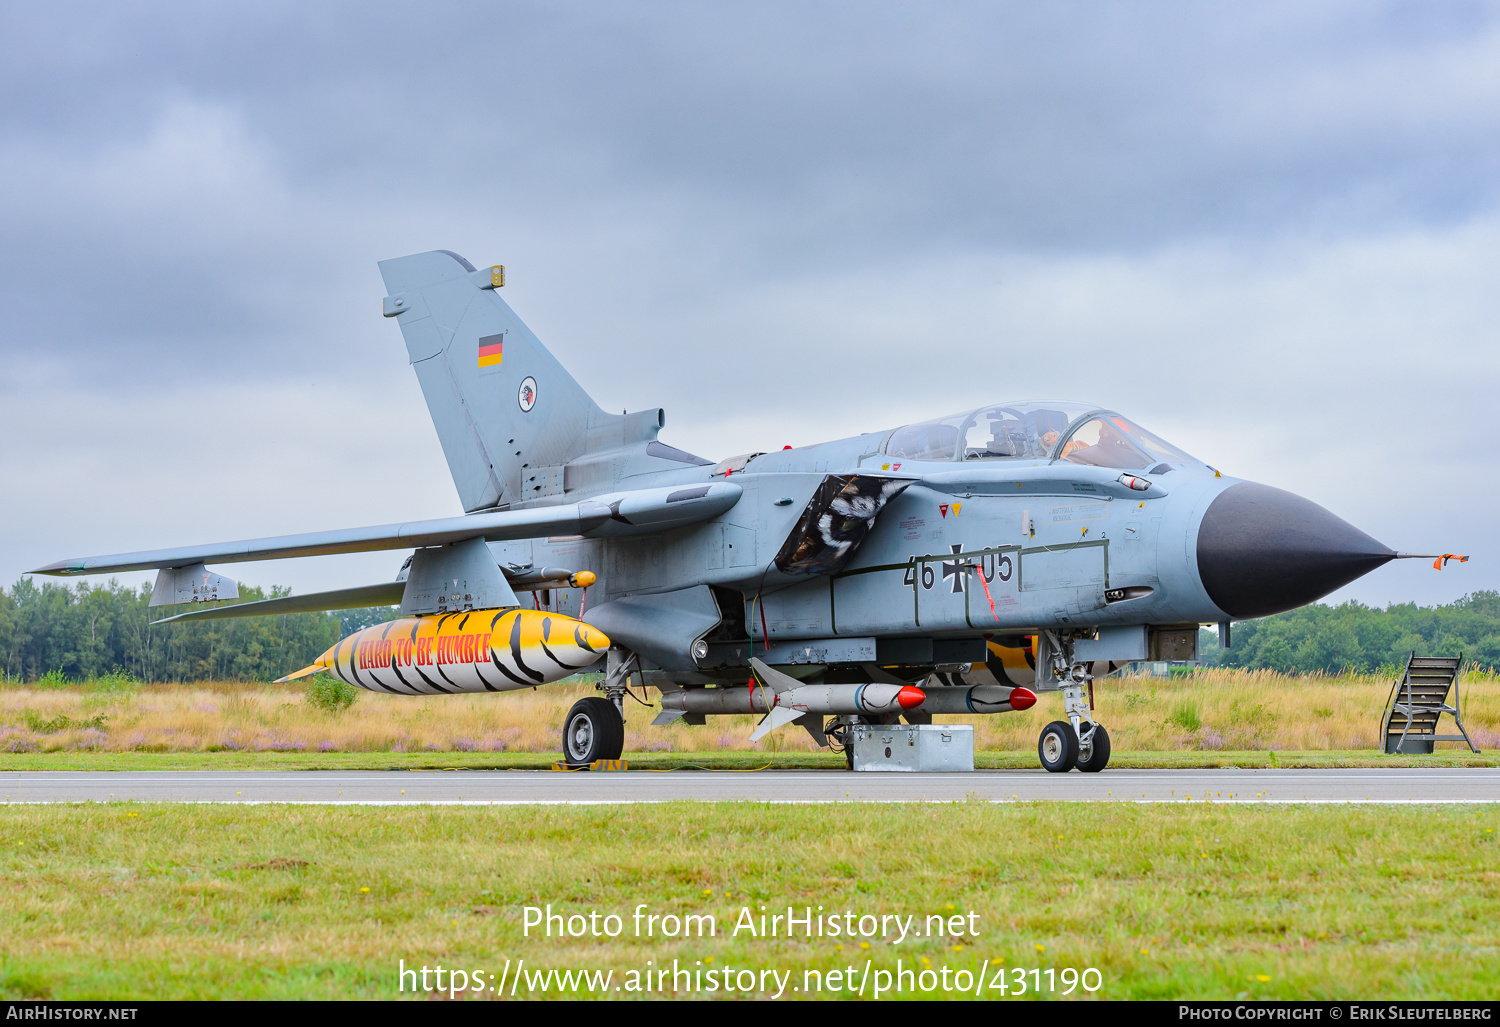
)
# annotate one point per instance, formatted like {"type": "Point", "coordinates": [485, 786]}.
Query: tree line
{"type": "Point", "coordinates": [84, 631]}
{"type": "Point", "coordinates": [1354, 637]}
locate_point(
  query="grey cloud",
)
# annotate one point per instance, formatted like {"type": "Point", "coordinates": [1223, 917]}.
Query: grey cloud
{"type": "Point", "coordinates": [1074, 125]}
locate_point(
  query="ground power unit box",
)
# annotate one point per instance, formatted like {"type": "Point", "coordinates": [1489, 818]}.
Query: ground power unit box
{"type": "Point", "coordinates": [913, 747]}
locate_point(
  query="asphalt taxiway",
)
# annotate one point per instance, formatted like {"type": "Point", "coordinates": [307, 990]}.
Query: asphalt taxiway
{"type": "Point", "coordinates": [510, 787]}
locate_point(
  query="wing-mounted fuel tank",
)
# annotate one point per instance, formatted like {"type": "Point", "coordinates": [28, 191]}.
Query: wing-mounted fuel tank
{"type": "Point", "coordinates": [476, 651]}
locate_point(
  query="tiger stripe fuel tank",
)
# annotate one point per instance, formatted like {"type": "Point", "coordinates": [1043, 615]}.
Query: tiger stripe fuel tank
{"type": "Point", "coordinates": [473, 651]}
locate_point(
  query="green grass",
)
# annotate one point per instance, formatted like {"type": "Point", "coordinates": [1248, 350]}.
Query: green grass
{"type": "Point", "coordinates": [176, 901]}
{"type": "Point", "coordinates": [723, 759]}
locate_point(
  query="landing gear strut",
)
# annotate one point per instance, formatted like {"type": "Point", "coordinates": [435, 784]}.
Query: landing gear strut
{"type": "Point", "coordinates": [1078, 741]}
{"type": "Point", "coordinates": [618, 667]}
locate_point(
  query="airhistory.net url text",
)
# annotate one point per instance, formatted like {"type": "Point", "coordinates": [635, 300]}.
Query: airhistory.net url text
{"type": "Point", "coordinates": [980, 979]}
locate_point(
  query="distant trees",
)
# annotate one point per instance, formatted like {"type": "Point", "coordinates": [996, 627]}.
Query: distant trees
{"type": "Point", "coordinates": [1361, 638]}
{"type": "Point", "coordinates": [85, 630]}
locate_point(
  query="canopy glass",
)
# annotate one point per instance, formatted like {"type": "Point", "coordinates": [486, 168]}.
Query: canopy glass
{"type": "Point", "coordinates": [1077, 432]}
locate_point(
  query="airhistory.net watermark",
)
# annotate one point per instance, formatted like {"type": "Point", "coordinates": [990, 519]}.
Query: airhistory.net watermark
{"type": "Point", "coordinates": [780, 922]}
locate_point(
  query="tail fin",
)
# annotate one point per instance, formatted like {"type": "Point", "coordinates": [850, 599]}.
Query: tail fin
{"type": "Point", "coordinates": [507, 414]}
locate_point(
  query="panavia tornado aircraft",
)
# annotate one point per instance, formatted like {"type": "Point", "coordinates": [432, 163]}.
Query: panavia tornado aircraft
{"type": "Point", "coordinates": [958, 565]}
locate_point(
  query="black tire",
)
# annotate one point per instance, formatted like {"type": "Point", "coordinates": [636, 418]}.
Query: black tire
{"type": "Point", "coordinates": [1098, 757]}
{"type": "Point", "coordinates": [592, 730]}
{"type": "Point", "coordinates": [1057, 748]}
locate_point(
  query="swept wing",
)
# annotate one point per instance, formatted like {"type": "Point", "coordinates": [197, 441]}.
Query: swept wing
{"type": "Point", "coordinates": [641, 512]}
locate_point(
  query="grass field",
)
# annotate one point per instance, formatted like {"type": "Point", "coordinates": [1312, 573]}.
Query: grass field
{"type": "Point", "coordinates": [173, 901]}
{"type": "Point", "coordinates": [1220, 715]}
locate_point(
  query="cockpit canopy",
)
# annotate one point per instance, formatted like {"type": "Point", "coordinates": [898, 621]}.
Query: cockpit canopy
{"type": "Point", "coordinates": [1078, 432]}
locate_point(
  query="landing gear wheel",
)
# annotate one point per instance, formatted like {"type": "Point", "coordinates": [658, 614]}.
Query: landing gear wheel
{"type": "Point", "coordinates": [592, 730]}
{"type": "Point", "coordinates": [1098, 755]}
{"type": "Point", "coordinates": [1058, 747]}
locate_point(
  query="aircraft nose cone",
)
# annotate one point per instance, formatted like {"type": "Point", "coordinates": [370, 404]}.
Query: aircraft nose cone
{"type": "Point", "coordinates": [1262, 551]}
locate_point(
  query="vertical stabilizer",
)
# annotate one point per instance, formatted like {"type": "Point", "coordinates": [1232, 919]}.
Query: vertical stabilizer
{"type": "Point", "coordinates": [507, 414]}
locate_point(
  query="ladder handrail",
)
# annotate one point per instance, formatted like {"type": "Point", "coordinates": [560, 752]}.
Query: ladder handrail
{"type": "Point", "coordinates": [1458, 717]}
{"type": "Point", "coordinates": [1406, 677]}
{"type": "Point", "coordinates": [1390, 708]}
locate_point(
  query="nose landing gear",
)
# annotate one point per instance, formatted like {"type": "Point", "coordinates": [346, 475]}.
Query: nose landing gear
{"type": "Point", "coordinates": [1078, 741]}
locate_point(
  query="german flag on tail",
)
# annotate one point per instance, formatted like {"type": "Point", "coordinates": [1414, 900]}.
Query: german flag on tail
{"type": "Point", "coordinates": [491, 349]}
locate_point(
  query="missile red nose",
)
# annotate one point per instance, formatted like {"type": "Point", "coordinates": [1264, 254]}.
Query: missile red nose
{"type": "Point", "coordinates": [1022, 698]}
{"type": "Point", "coordinates": [911, 697]}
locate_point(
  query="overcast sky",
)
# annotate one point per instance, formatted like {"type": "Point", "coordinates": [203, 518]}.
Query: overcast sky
{"type": "Point", "coordinates": [1268, 232]}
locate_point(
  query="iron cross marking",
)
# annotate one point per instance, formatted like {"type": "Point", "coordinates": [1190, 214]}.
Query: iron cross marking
{"type": "Point", "coordinates": [955, 569]}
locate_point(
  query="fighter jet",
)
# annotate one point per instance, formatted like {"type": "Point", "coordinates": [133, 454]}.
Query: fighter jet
{"type": "Point", "coordinates": [956, 565]}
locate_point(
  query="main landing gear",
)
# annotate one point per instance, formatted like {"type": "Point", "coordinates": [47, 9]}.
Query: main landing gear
{"type": "Point", "coordinates": [594, 728]}
{"type": "Point", "coordinates": [1078, 741]}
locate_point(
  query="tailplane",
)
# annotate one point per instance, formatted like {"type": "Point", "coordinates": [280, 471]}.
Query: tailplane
{"type": "Point", "coordinates": [508, 415]}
